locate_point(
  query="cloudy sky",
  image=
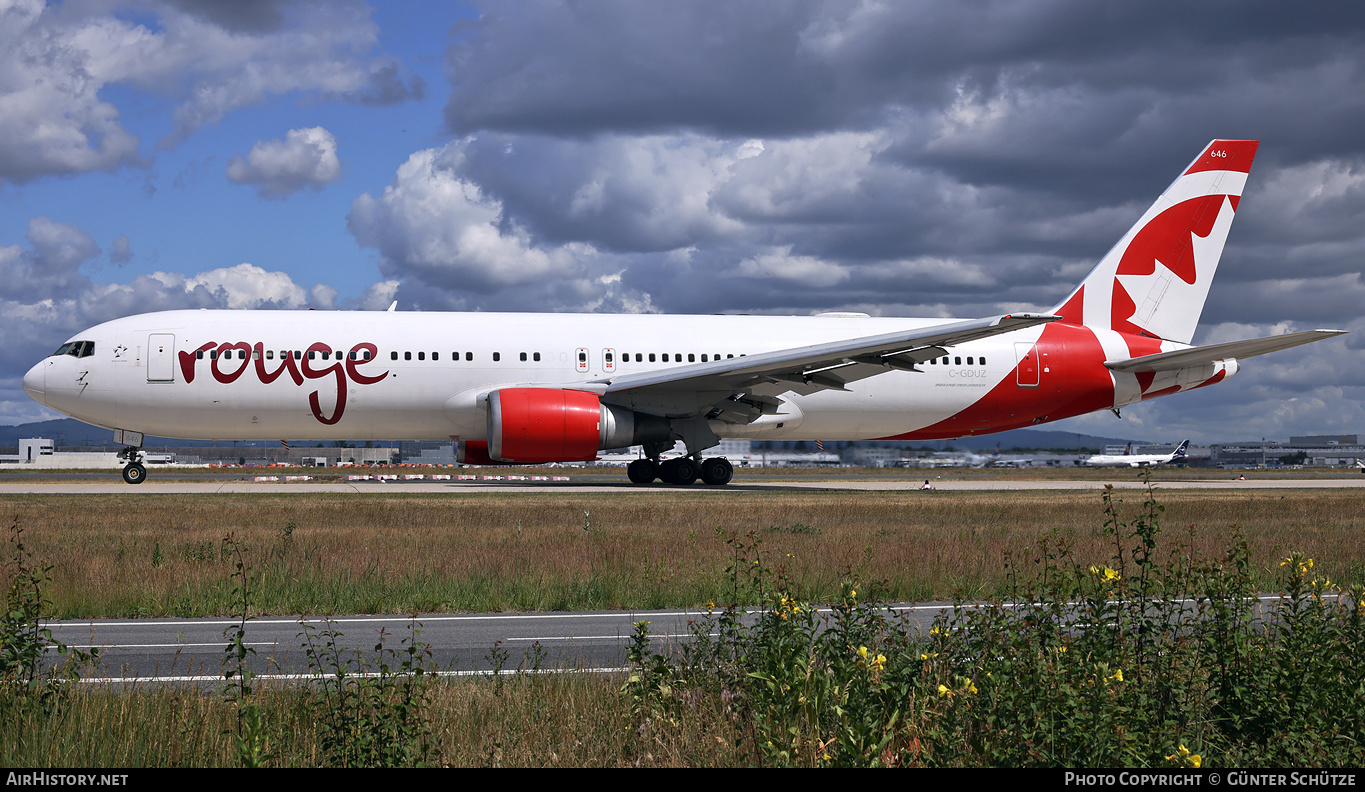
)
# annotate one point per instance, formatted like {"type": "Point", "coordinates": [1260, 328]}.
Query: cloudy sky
{"type": "Point", "coordinates": [905, 159]}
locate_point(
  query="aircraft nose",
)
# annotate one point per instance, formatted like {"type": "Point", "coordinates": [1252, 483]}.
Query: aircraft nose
{"type": "Point", "coordinates": [35, 382]}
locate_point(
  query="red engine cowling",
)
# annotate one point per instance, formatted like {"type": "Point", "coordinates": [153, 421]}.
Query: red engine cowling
{"type": "Point", "coordinates": [531, 425]}
{"type": "Point", "coordinates": [474, 452]}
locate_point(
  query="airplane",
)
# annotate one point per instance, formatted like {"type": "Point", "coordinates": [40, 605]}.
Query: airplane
{"type": "Point", "coordinates": [1129, 459]}
{"type": "Point", "coordinates": [524, 388]}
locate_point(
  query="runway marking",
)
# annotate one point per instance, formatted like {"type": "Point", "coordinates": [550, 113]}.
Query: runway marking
{"type": "Point", "coordinates": [201, 678]}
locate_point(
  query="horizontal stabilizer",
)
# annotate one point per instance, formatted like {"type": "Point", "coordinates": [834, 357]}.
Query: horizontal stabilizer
{"type": "Point", "coordinates": [1199, 356]}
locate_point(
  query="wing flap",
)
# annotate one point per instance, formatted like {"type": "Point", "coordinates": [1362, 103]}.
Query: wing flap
{"type": "Point", "coordinates": [1198, 356]}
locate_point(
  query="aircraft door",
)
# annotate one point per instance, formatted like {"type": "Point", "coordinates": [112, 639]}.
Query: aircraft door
{"type": "Point", "coordinates": [609, 361]}
{"type": "Point", "coordinates": [581, 360]}
{"type": "Point", "coordinates": [1027, 355]}
{"type": "Point", "coordinates": [161, 357]}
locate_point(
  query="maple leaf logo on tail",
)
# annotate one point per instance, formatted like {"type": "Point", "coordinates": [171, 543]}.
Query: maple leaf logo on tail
{"type": "Point", "coordinates": [1155, 280]}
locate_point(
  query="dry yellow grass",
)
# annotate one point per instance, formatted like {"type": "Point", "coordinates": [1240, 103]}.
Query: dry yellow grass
{"type": "Point", "coordinates": [139, 555]}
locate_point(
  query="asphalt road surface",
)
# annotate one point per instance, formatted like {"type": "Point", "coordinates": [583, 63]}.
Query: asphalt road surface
{"type": "Point", "coordinates": [194, 650]}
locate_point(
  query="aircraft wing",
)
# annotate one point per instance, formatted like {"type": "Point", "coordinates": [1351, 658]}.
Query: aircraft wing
{"type": "Point", "coordinates": [699, 387]}
{"type": "Point", "coordinates": [1198, 356]}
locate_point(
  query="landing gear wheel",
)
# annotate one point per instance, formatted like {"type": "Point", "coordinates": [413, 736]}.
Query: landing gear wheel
{"type": "Point", "coordinates": [135, 473]}
{"type": "Point", "coordinates": [642, 471]}
{"type": "Point", "coordinates": [679, 471]}
{"type": "Point", "coordinates": [717, 471]}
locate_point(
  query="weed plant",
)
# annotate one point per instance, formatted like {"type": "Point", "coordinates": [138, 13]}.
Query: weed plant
{"type": "Point", "coordinates": [27, 680]}
{"type": "Point", "coordinates": [371, 711]}
{"type": "Point", "coordinates": [1150, 657]}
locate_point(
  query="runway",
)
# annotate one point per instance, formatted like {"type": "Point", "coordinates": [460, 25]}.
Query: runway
{"type": "Point", "coordinates": [100, 485]}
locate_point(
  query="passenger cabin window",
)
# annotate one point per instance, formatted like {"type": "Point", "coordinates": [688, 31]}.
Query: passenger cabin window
{"type": "Point", "coordinates": [497, 356]}
{"type": "Point", "coordinates": [523, 357]}
{"type": "Point", "coordinates": [536, 357]}
{"type": "Point", "coordinates": [407, 356]}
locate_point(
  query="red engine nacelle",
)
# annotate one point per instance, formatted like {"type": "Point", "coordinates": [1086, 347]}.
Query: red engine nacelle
{"type": "Point", "coordinates": [532, 425]}
{"type": "Point", "coordinates": [474, 452]}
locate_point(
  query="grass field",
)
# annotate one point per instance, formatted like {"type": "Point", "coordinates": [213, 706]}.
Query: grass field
{"type": "Point", "coordinates": [1121, 689]}
{"type": "Point", "coordinates": [125, 556]}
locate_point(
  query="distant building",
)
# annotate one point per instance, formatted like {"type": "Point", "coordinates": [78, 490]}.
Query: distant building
{"type": "Point", "coordinates": [1314, 450]}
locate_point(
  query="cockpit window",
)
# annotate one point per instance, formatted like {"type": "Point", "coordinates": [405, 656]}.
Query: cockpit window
{"type": "Point", "coordinates": [78, 349]}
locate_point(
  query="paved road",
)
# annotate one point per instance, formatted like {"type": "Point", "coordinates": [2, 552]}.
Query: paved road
{"type": "Point", "coordinates": [192, 650]}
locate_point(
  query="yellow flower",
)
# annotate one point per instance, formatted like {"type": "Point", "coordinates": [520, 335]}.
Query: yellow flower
{"type": "Point", "coordinates": [943, 691]}
{"type": "Point", "coordinates": [1118, 675]}
{"type": "Point", "coordinates": [862, 652]}
{"type": "Point", "coordinates": [1185, 758]}
{"type": "Point", "coordinates": [1105, 574]}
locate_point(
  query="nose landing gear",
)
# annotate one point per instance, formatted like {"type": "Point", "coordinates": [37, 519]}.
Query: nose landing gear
{"type": "Point", "coordinates": [134, 472]}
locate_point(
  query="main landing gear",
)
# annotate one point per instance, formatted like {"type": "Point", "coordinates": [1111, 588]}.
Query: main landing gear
{"type": "Point", "coordinates": [134, 472]}
{"type": "Point", "coordinates": [716, 471]}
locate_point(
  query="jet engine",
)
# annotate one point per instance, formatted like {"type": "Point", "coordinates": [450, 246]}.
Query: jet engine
{"type": "Point", "coordinates": [535, 425]}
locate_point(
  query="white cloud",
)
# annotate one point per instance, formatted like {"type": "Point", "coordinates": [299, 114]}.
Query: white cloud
{"type": "Point", "coordinates": [56, 61]}
{"type": "Point", "coordinates": [432, 223]}
{"type": "Point", "coordinates": [249, 286]}
{"type": "Point", "coordinates": [800, 270]}
{"type": "Point", "coordinates": [278, 168]}
{"type": "Point", "coordinates": [51, 267]}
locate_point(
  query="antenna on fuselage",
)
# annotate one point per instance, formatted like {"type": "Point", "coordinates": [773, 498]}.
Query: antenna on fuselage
{"type": "Point", "coordinates": [393, 306]}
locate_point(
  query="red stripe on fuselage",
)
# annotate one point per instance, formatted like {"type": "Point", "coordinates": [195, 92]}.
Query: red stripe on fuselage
{"type": "Point", "coordinates": [1073, 381]}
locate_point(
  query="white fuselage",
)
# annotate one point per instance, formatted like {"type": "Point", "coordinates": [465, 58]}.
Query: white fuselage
{"type": "Point", "coordinates": [247, 375]}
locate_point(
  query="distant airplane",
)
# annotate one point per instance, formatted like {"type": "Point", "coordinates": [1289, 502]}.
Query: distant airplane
{"type": "Point", "coordinates": [1129, 459]}
{"type": "Point", "coordinates": [539, 388]}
